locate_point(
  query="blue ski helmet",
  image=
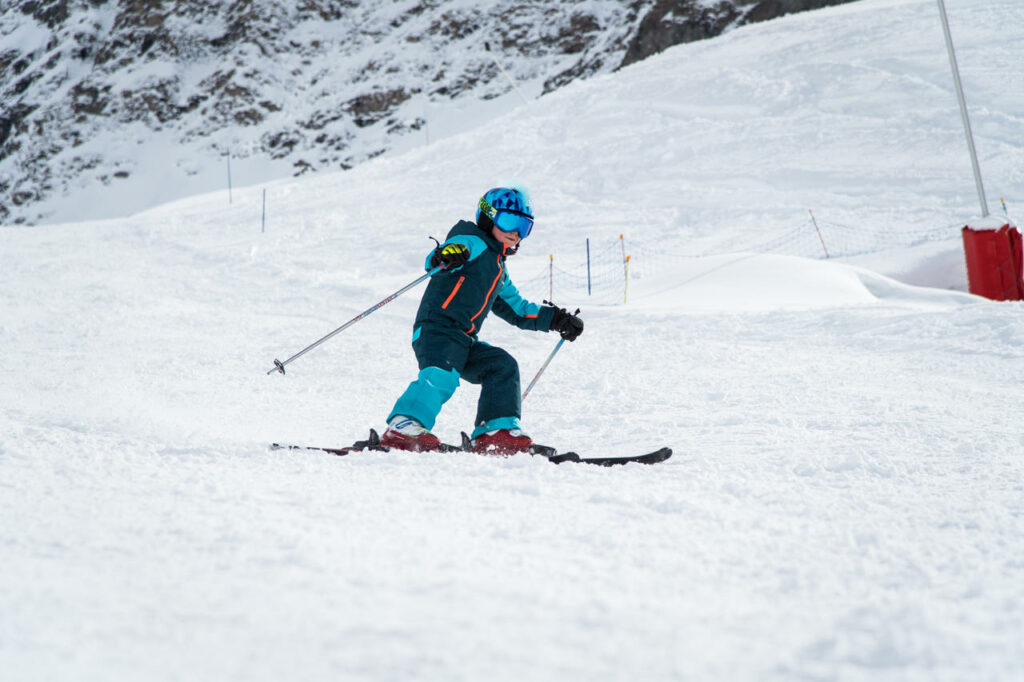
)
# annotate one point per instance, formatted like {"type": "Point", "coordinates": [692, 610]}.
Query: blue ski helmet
{"type": "Point", "coordinates": [508, 209]}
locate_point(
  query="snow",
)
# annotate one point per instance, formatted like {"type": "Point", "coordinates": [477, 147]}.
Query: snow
{"type": "Point", "coordinates": [990, 222]}
{"type": "Point", "coordinates": [845, 501]}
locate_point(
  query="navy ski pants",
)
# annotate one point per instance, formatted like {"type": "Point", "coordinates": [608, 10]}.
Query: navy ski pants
{"type": "Point", "coordinates": [445, 355]}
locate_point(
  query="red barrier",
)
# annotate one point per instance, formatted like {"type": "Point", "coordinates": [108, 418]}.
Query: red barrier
{"type": "Point", "coordinates": [995, 263]}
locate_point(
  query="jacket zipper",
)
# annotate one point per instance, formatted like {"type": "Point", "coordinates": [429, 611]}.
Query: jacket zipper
{"type": "Point", "coordinates": [487, 298]}
{"type": "Point", "coordinates": [455, 290]}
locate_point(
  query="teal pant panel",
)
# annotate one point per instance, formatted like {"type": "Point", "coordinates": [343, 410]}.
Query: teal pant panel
{"type": "Point", "coordinates": [509, 423]}
{"type": "Point", "coordinates": [424, 398]}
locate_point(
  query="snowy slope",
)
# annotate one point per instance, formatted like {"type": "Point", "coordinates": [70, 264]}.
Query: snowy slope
{"type": "Point", "coordinates": [846, 497]}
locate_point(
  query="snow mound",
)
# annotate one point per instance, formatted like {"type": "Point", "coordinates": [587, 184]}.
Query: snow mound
{"type": "Point", "coordinates": [752, 281]}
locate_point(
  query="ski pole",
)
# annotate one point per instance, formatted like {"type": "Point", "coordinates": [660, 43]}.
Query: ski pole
{"type": "Point", "coordinates": [279, 366]}
{"type": "Point", "coordinates": [547, 362]}
{"type": "Point", "coordinates": [542, 368]}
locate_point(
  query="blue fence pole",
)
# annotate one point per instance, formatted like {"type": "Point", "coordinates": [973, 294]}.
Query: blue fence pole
{"type": "Point", "coordinates": [588, 266]}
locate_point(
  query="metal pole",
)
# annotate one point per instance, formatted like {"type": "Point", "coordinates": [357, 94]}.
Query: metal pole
{"type": "Point", "coordinates": [542, 368]}
{"type": "Point", "coordinates": [822, 239]}
{"type": "Point", "coordinates": [263, 221]}
{"type": "Point", "coordinates": [588, 266]}
{"type": "Point", "coordinates": [487, 46]}
{"type": "Point", "coordinates": [625, 286]}
{"type": "Point", "coordinates": [963, 109]}
{"type": "Point", "coordinates": [625, 267]}
{"type": "Point", "coordinates": [426, 121]}
{"type": "Point", "coordinates": [229, 178]}
{"type": "Point", "coordinates": [279, 366]}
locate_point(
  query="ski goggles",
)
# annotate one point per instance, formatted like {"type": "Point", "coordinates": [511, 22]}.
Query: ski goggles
{"type": "Point", "coordinates": [508, 220]}
{"type": "Point", "coordinates": [513, 221]}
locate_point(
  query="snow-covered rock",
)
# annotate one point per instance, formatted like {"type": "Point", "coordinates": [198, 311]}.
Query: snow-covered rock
{"type": "Point", "coordinates": [111, 107]}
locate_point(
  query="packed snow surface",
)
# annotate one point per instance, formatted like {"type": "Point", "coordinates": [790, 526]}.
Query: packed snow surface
{"type": "Point", "coordinates": [846, 499]}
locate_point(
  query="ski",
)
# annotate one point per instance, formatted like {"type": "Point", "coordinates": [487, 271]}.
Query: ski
{"type": "Point", "coordinates": [333, 451]}
{"type": "Point", "coordinates": [372, 443]}
{"type": "Point", "coordinates": [654, 457]}
{"type": "Point", "coordinates": [553, 456]}
{"type": "Point", "coordinates": [549, 453]}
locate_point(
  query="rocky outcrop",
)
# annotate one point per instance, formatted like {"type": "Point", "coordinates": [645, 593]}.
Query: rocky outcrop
{"type": "Point", "coordinates": [672, 22]}
{"type": "Point", "coordinates": [307, 85]}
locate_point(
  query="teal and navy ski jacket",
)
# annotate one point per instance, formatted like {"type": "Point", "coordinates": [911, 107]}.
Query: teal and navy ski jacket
{"type": "Point", "coordinates": [462, 298]}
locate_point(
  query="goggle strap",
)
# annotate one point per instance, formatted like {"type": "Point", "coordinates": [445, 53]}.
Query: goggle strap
{"type": "Point", "coordinates": [486, 208]}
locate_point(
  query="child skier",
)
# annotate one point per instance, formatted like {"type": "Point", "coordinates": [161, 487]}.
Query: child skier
{"type": "Point", "coordinates": [458, 298]}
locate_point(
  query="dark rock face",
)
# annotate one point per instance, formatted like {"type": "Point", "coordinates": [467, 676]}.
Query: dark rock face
{"type": "Point", "coordinates": [770, 9]}
{"type": "Point", "coordinates": [672, 22]}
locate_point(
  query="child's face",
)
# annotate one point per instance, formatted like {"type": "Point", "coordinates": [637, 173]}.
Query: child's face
{"type": "Point", "coordinates": [510, 239]}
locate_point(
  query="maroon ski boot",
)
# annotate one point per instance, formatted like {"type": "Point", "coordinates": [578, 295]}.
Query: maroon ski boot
{"type": "Point", "coordinates": [502, 442]}
{"type": "Point", "coordinates": [404, 433]}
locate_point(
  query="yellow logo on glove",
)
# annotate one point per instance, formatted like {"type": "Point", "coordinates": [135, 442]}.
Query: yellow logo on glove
{"type": "Point", "coordinates": [454, 250]}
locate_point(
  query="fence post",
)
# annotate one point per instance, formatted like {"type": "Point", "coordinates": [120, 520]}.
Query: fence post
{"type": "Point", "coordinates": [229, 176]}
{"type": "Point", "coordinates": [625, 288]}
{"type": "Point", "coordinates": [625, 266]}
{"type": "Point", "coordinates": [263, 221]}
{"type": "Point", "coordinates": [588, 266]}
{"type": "Point", "coordinates": [551, 277]}
{"type": "Point", "coordinates": [820, 238]}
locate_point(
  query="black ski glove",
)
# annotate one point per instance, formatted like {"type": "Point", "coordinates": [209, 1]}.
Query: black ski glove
{"type": "Point", "coordinates": [566, 324]}
{"type": "Point", "coordinates": [451, 256]}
